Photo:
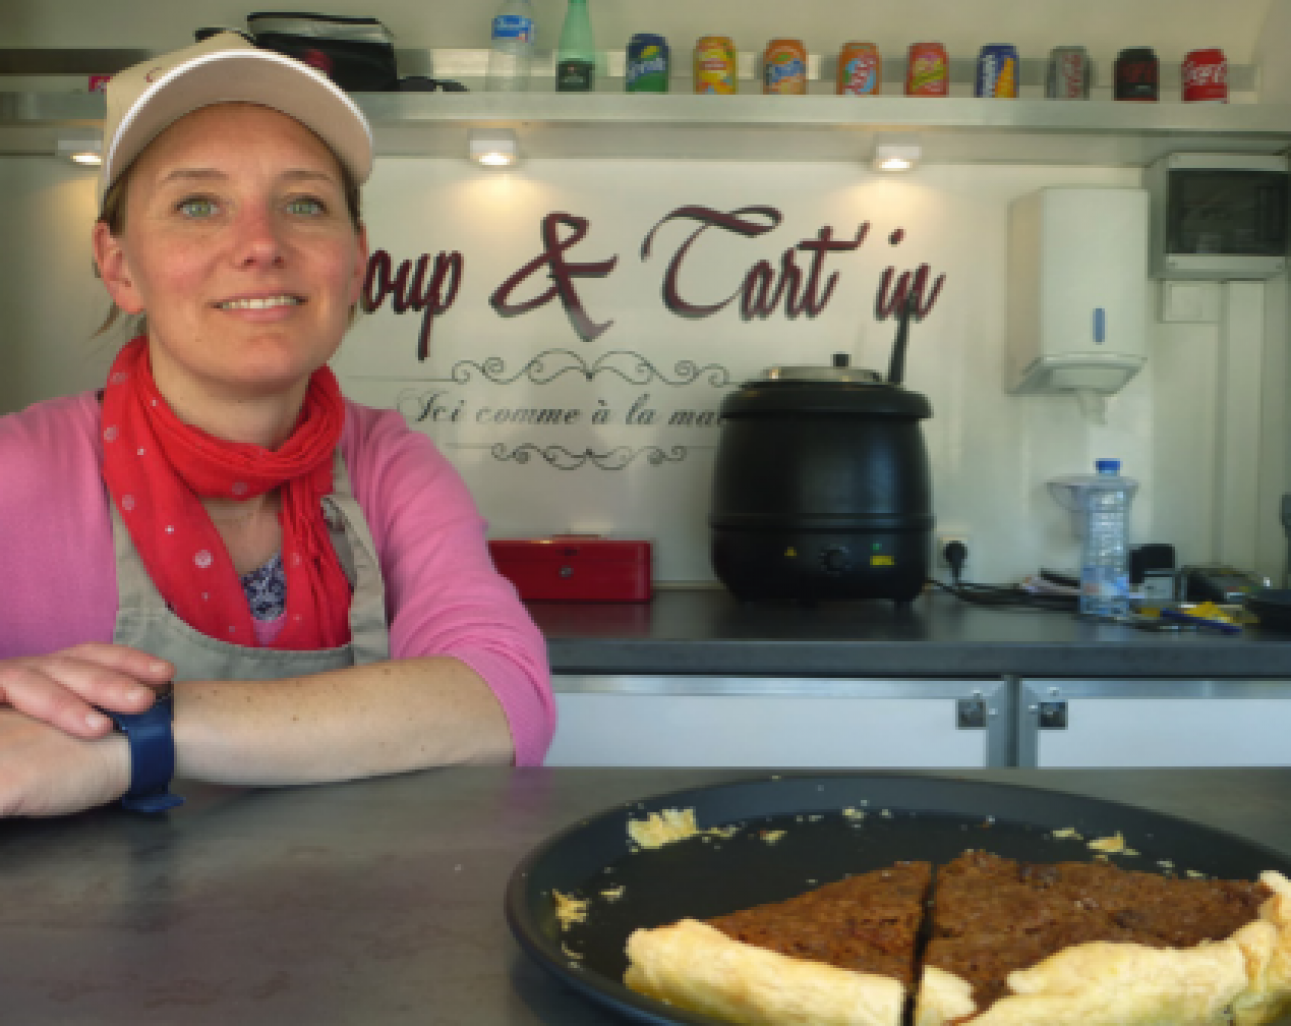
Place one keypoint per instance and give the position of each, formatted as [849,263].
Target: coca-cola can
[1205,77]
[1069,74]
[1136,74]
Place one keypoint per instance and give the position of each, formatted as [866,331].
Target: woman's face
[239,247]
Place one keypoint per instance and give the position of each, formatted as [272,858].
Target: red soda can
[928,70]
[1205,77]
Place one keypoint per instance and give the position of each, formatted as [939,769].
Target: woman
[311,574]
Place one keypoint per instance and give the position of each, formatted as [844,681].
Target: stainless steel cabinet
[779,722]
[1072,723]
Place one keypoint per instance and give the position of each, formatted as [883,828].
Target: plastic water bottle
[511,53]
[1104,557]
[576,52]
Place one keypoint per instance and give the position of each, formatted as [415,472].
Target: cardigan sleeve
[443,595]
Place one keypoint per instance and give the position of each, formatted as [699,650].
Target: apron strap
[369,628]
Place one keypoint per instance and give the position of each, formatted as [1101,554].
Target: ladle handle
[896,367]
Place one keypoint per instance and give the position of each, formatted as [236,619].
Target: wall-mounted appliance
[1077,290]
[1219,216]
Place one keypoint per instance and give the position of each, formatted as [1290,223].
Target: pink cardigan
[58,576]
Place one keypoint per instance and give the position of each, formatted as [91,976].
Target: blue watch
[152,756]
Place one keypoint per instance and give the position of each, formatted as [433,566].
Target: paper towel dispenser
[1077,290]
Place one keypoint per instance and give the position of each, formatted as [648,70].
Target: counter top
[707,631]
[378,902]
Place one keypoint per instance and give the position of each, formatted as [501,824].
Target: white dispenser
[1077,291]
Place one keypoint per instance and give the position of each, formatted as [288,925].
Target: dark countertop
[378,902]
[707,631]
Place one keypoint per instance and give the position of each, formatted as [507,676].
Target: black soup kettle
[821,486]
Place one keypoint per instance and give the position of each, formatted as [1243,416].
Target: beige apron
[145,622]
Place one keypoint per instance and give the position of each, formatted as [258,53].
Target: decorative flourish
[551,364]
[569,459]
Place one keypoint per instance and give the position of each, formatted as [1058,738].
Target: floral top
[266,589]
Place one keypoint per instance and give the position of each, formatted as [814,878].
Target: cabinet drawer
[767,723]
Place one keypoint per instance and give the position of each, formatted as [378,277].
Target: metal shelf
[752,127]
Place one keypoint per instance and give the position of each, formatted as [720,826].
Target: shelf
[752,127]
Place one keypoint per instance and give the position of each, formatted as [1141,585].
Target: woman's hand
[61,689]
[43,772]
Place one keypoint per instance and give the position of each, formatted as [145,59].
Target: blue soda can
[647,65]
[997,71]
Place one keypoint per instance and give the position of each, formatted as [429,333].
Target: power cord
[996,595]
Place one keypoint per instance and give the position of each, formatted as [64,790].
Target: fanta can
[860,70]
[716,66]
[928,71]
[784,67]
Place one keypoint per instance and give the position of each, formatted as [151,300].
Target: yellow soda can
[716,66]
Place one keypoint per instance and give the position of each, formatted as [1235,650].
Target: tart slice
[839,955]
[1089,943]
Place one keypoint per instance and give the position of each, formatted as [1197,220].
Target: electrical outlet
[944,538]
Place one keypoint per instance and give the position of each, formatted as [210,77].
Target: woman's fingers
[62,689]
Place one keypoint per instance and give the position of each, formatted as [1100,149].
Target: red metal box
[574,568]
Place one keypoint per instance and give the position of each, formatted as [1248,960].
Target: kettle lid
[840,371]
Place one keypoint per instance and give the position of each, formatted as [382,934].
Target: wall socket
[944,538]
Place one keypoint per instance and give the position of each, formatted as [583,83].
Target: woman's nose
[259,240]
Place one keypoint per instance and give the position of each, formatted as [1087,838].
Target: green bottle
[576,53]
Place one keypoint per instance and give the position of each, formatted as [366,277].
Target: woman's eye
[197,207]
[305,205]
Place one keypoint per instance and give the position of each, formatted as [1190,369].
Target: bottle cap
[1107,466]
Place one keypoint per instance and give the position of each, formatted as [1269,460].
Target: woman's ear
[114,269]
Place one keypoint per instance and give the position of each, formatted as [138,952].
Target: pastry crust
[1268,957]
[697,967]
[1244,979]
[1103,984]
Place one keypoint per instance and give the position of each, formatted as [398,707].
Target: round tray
[905,817]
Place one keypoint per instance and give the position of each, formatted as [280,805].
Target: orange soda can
[860,70]
[784,67]
[716,66]
[928,71]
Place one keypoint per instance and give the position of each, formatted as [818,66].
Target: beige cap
[143,101]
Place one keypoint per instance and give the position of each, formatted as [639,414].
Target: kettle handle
[896,367]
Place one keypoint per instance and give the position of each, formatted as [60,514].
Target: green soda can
[647,65]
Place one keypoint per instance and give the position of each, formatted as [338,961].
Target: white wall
[1104,26]
[991,453]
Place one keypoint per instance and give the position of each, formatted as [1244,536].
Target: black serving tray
[906,817]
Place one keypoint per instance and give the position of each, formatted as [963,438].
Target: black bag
[355,53]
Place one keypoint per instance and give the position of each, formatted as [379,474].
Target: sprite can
[647,64]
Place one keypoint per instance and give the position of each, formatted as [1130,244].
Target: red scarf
[157,468]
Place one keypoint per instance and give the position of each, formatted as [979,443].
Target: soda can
[1205,77]
[1069,74]
[784,67]
[860,70]
[1136,75]
[997,72]
[716,66]
[928,70]
[647,64]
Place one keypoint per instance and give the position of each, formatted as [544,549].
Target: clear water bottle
[511,52]
[576,53]
[1104,557]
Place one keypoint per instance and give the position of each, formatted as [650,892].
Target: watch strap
[152,756]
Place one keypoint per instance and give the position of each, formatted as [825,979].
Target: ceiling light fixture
[896,154]
[87,151]
[494,147]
